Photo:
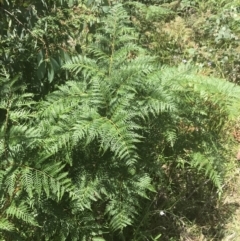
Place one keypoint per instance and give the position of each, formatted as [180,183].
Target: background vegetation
[119,119]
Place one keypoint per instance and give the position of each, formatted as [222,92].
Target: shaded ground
[232,198]
[226,215]
[222,221]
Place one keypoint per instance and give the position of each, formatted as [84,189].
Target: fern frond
[143,184]
[12,176]
[88,67]
[21,212]
[202,162]
[113,132]
[121,214]
[86,191]
[6,225]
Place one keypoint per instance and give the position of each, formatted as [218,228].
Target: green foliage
[97,139]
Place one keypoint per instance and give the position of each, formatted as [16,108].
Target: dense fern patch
[121,147]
